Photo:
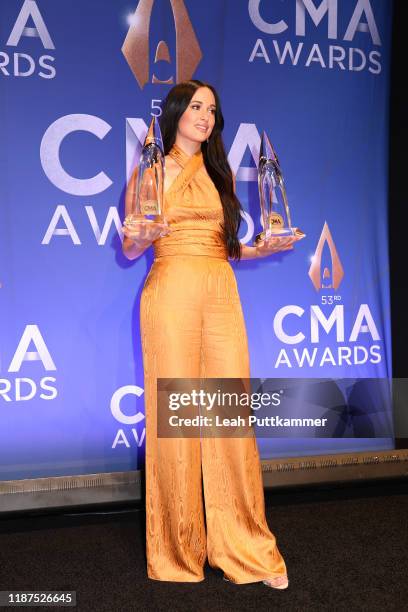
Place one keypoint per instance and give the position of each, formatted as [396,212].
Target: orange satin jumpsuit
[192,326]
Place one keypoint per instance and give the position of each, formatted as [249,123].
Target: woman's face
[197,121]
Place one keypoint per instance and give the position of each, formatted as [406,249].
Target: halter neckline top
[193,209]
[182,158]
[189,164]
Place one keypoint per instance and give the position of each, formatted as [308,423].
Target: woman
[192,326]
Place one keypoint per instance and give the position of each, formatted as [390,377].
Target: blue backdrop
[74,108]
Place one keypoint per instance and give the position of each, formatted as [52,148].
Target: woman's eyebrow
[200,102]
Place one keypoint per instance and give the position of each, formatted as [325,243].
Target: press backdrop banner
[79,82]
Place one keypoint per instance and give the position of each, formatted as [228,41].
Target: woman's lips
[201,128]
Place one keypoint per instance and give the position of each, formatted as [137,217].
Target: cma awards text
[14,63]
[31,348]
[300,17]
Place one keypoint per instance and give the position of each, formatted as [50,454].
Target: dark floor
[345,549]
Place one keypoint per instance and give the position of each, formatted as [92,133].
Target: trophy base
[284,233]
[134,219]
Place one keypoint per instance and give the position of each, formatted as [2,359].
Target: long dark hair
[215,158]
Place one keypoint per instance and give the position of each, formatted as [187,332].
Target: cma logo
[31,347]
[361,20]
[70,126]
[322,276]
[121,437]
[29,24]
[363,323]
[136,47]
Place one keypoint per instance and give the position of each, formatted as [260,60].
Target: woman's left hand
[275,244]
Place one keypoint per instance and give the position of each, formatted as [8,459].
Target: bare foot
[280,582]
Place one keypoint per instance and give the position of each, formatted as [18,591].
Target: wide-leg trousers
[192,326]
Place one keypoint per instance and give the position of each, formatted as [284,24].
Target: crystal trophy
[275,212]
[147,200]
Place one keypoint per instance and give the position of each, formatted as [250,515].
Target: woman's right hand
[144,233]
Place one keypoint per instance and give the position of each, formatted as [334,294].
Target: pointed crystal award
[275,212]
[147,203]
